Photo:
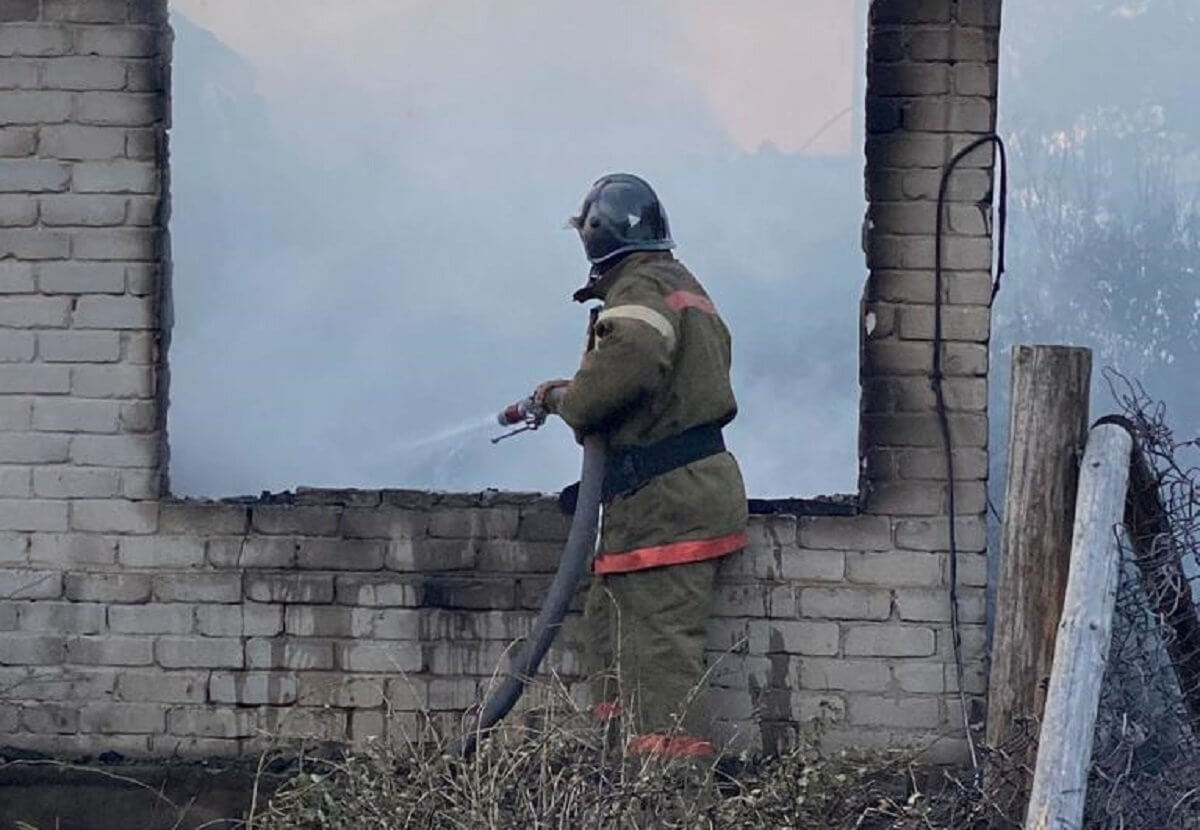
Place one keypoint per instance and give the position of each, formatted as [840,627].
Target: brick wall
[150,626]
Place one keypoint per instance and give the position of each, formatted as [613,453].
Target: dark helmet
[621,213]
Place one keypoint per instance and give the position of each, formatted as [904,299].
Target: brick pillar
[931,89]
[83,103]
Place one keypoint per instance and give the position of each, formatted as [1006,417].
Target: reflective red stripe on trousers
[682,746]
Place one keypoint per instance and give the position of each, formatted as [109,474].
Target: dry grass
[555,768]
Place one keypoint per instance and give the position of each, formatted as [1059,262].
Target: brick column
[931,90]
[83,105]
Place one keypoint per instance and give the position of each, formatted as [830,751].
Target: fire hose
[577,553]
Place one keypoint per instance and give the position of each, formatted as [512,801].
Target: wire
[939,393]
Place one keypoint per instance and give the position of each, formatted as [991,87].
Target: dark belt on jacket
[628,469]
[631,468]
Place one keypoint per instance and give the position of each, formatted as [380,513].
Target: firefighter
[655,382]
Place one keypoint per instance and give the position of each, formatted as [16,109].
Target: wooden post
[1084,636]
[1048,419]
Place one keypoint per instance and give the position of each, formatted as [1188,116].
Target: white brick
[290,653]
[392,656]
[18,74]
[71,550]
[289,587]
[143,210]
[366,726]
[816,638]
[933,534]
[139,347]
[846,603]
[142,144]
[339,690]
[16,414]
[210,652]
[42,107]
[114,312]
[14,548]
[199,587]
[16,346]
[110,650]
[76,142]
[910,713]
[32,448]
[86,210]
[141,483]
[18,210]
[889,641]
[894,569]
[162,686]
[82,278]
[844,675]
[115,450]
[123,718]
[30,649]
[225,621]
[17,39]
[117,108]
[75,415]
[30,175]
[15,483]
[115,40]
[16,278]
[319,621]
[260,620]
[62,617]
[212,721]
[75,482]
[33,312]
[83,73]
[17,141]
[813,565]
[30,584]
[162,552]
[79,346]
[204,517]
[154,618]
[32,514]
[921,677]
[141,416]
[934,605]
[32,378]
[253,688]
[99,381]
[115,177]
[108,587]
[142,279]
[115,243]
[845,532]
[114,516]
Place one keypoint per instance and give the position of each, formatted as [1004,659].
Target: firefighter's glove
[542,396]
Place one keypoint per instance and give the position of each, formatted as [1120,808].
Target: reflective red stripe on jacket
[674,553]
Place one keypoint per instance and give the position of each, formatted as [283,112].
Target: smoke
[368,227]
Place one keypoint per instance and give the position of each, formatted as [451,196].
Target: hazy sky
[368,206]
[769,70]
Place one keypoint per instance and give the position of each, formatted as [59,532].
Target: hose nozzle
[526,412]
[516,413]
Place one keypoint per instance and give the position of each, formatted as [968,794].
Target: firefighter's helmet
[621,213]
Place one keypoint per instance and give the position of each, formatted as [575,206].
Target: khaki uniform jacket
[660,365]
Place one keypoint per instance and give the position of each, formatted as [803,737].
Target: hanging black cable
[939,393]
